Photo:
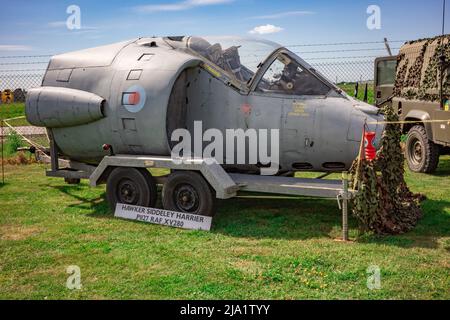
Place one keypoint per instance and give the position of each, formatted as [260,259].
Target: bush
[13,141]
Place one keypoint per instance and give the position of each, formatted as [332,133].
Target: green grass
[21,122]
[12,110]
[12,142]
[259,247]
[349,88]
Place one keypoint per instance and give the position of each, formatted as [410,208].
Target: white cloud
[57,24]
[63,24]
[12,47]
[266,29]
[179,6]
[284,15]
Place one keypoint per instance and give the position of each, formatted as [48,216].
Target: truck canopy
[418,69]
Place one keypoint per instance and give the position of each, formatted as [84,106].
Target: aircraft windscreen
[239,57]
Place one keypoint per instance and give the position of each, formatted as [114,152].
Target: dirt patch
[12,232]
[19,159]
[247,266]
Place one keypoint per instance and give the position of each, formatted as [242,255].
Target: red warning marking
[131,98]
[135,98]
[246,109]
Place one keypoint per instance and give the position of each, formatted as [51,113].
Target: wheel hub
[186,198]
[416,152]
[128,192]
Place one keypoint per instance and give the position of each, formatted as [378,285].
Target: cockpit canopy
[238,56]
[241,59]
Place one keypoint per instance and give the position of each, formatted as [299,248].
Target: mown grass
[12,110]
[259,247]
[349,88]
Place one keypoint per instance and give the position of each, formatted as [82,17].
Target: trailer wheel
[135,186]
[422,154]
[188,191]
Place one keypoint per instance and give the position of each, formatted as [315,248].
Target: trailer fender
[213,173]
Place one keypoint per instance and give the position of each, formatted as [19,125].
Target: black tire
[188,191]
[422,154]
[135,186]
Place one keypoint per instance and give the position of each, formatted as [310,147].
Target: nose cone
[364,113]
[379,128]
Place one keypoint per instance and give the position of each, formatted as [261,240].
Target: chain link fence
[338,71]
[339,62]
[342,63]
[20,73]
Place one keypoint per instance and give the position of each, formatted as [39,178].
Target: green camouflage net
[383,203]
[419,68]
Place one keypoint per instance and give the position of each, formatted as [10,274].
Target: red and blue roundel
[133,99]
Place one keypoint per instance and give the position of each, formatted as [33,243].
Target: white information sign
[163,217]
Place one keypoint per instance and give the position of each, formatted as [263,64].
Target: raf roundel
[133,99]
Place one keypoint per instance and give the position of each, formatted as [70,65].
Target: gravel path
[26,131]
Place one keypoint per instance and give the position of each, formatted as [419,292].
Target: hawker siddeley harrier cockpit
[133,95]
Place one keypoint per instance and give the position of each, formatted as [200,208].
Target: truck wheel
[134,186]
[422,154]
[188,191]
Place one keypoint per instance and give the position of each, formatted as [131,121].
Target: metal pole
[366,97]
[442,61]
[443,18]
[345,207]
[3,157]
[388,47]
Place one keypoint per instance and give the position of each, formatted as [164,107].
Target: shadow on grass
[295,218]
[258,216]
[443,168]
[434,225]
[98,206]
[252,216]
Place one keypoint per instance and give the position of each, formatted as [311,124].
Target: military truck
[417,83]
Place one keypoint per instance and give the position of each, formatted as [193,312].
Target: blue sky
[37,27]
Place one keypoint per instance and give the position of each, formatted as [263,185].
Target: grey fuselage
[88,99]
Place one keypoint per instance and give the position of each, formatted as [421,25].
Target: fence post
[3,157]
[345,207]
[388,47]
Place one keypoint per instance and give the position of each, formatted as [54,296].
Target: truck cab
[384,78]
[425,140]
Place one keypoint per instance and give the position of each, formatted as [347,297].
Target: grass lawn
[12,110]
[349,88]
[258,248]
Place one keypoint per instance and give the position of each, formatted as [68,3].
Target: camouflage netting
[384,203]
[418,69]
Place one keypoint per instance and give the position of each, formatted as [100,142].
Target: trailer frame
[226,185]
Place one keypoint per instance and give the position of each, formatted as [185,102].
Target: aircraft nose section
[373,122]
[377,125]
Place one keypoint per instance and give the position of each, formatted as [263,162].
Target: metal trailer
[224,185]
